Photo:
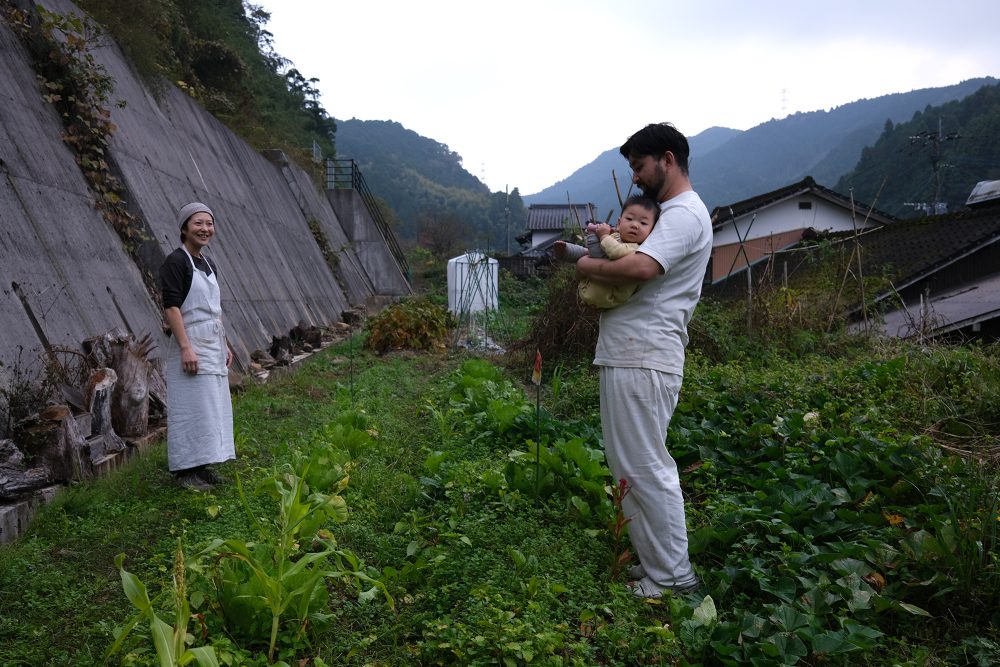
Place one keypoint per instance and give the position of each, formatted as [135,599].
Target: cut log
[16,484]
[157,391]
[99,394]
[130,397]
[263,358]
[281,350]
[16,480]
[52,449]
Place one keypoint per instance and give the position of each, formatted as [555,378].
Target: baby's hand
[601,229]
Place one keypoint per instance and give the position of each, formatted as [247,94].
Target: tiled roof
[723,214]
[914,249]
[962,306]
[543,217]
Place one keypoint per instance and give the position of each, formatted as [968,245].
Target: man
[640,350]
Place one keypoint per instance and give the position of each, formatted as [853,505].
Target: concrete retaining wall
[64,275]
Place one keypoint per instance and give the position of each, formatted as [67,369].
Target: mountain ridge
[823,144]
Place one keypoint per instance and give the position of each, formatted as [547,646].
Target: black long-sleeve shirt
[176,275]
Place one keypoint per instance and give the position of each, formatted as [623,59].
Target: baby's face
[635,224]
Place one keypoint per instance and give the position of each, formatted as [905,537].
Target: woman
[199,409]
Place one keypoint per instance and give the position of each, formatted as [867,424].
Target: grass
[802,473]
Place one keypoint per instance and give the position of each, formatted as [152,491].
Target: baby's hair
[645,202]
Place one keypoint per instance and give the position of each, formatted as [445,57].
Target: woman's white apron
[199,409]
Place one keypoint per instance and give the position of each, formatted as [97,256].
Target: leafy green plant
[259,584]
[496,634]
[952,553]
[171,642]
[829,513]
[568,467]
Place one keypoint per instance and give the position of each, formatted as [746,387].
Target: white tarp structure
[472,283]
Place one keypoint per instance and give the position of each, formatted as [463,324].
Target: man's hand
[559,249]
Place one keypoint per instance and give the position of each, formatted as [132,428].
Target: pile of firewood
[301,340]
[121,403]
[84,427]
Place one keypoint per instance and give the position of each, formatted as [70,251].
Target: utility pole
[935,139]
[506,213]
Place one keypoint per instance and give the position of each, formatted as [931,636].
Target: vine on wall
[80,90]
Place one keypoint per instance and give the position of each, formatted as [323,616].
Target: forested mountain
[593,183]
[424,183]
[220,54]
[938,156]
[728,165]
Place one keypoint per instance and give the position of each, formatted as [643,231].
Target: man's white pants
[636,406]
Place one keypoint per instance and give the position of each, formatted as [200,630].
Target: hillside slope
[937,156]
[425,185]
[729,165]
[594,182]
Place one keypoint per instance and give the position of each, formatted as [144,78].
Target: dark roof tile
[543,217]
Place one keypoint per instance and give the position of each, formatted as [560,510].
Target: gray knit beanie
[189,210]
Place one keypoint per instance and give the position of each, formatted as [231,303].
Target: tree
[443,233]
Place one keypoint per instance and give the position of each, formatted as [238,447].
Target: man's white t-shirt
[650,329]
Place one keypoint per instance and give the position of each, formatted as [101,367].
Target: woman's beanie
[189,210]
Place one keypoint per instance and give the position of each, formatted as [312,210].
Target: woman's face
[198,231]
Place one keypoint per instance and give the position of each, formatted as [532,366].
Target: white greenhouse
[472,283]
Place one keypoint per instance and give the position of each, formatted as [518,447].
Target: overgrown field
[398,509]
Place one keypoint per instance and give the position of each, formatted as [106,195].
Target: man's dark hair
[656,139]
[645,202]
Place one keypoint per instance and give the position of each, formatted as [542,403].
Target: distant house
[752,230]
[945,270]
[547,222]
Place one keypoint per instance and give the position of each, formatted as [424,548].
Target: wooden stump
[281,350]
[16,478]
[100,388]
[130,361]
[130,398]
[50,448]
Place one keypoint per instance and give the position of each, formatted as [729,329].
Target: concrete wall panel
[70,264]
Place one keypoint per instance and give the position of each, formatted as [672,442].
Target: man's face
[649,174]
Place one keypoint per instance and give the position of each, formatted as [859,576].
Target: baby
[639,214]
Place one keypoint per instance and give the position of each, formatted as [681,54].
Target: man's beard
[652,190]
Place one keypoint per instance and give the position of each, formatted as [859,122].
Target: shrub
[411,324]
[564,328]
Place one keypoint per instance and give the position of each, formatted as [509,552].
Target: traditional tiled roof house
[944,270]
[548,222]
[751,230]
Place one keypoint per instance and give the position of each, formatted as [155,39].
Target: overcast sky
[528,91]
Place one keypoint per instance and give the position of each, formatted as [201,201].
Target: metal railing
[344,173]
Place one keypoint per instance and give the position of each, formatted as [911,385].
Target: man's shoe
[189,479]
[644,588]
[636,572]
